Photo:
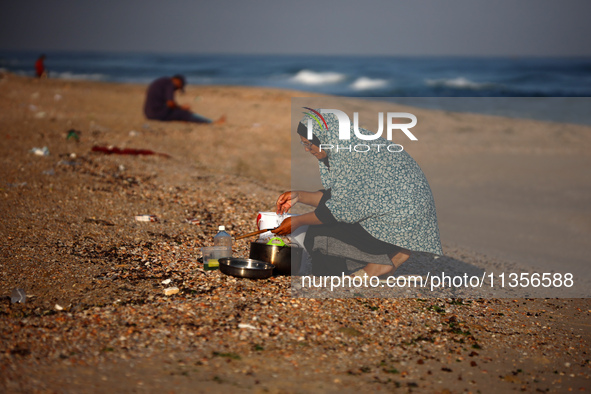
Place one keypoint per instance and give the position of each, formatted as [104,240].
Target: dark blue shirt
[159,92]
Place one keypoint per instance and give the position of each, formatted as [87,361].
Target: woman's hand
[292,223]
[285,227]
[286,201]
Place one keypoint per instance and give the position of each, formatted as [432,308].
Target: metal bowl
[246,268]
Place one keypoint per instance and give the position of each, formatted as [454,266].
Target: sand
[97,319]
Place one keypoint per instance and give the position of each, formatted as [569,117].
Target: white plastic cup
[269,220]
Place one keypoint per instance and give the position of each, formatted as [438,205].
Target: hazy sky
[352,27]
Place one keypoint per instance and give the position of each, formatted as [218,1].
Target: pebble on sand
[171,290]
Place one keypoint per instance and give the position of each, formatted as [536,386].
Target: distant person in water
[160,104]
[40,71]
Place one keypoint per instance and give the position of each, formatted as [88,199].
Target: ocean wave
[75,77]
[365,83]
[9,62]
[458,83]
[309,77]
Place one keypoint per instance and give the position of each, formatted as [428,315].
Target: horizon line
[180,53]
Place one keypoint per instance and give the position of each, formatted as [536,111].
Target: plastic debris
[74,135]
[58,307]
[146,218]
[18,296]
[67,163]
[171,290]
[166,281]
[109,150]
[193,221]
[244,325]
[40,151]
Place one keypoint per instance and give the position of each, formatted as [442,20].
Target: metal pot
[245,268]
[286,259]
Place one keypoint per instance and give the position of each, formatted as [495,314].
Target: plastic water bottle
[222,238]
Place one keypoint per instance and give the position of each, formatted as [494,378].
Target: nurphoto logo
[345,129]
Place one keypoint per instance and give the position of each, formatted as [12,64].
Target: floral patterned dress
[385,192]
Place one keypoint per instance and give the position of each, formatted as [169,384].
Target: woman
[375,208]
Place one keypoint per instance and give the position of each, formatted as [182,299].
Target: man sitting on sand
[160,104]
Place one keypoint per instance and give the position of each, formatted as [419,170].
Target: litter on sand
[109,150]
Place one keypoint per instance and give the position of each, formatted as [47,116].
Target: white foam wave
[76,77]
[458,83]
[364,83]
[9,62]
[308,77]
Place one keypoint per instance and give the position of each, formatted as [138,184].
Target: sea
[556,89]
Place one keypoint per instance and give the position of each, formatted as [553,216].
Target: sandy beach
[509,193]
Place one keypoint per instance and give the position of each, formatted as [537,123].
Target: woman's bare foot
[387,270]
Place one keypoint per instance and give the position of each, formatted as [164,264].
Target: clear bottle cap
[222,228]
